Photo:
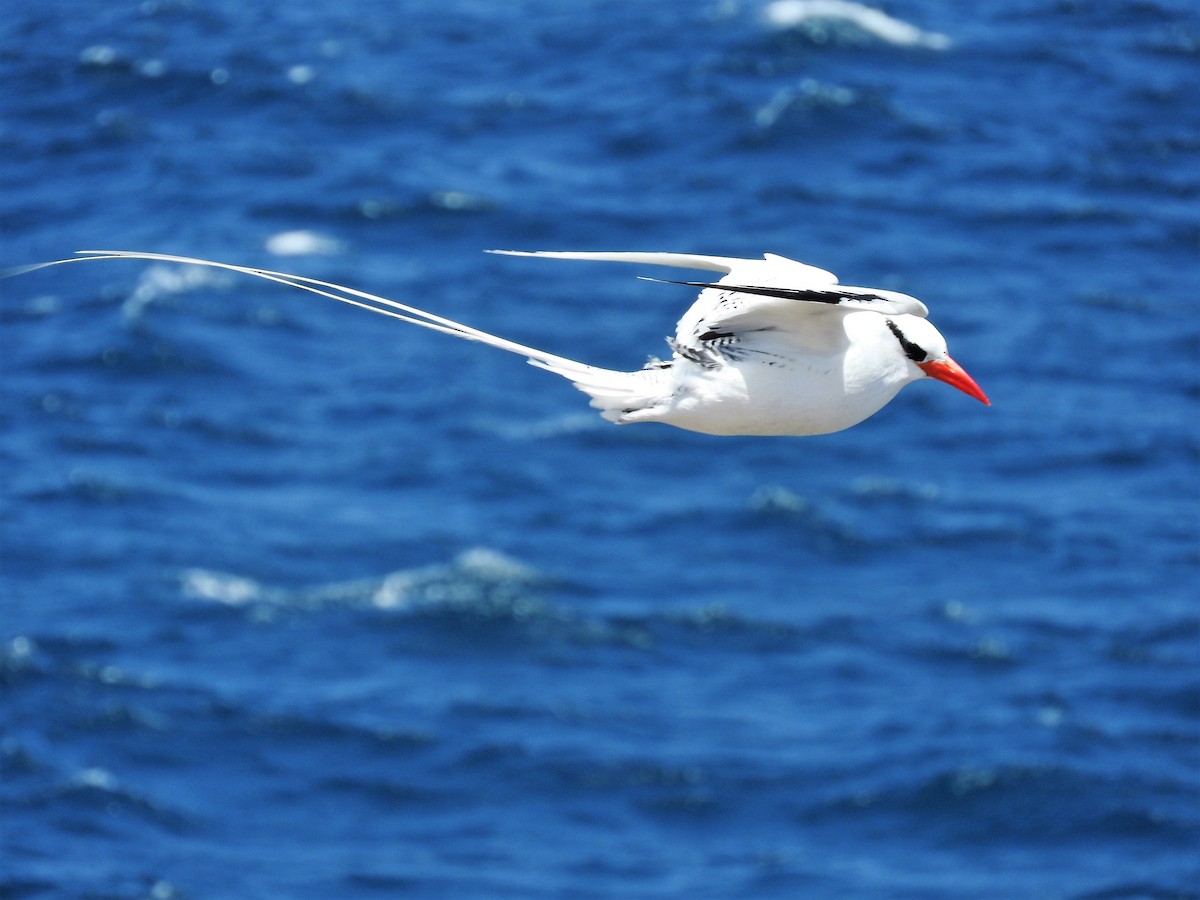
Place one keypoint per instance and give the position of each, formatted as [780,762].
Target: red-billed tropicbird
[771,347]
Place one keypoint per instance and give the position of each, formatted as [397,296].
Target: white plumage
[771,347]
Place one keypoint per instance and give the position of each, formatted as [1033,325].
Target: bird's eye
[911,350]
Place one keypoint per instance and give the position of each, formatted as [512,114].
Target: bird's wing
[773,294]
[727,317]
[843,296]
[754,271]
[773,277]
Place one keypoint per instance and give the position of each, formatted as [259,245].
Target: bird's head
[925,349]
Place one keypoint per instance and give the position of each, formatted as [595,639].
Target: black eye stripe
[911,350]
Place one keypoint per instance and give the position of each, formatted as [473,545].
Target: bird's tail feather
[614,393]
[621,397]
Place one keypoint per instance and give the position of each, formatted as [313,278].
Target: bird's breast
[780,395]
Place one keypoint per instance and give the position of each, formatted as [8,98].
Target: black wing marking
[807,295]
[714,349]
[706,355]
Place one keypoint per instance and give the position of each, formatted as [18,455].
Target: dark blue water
[301,602]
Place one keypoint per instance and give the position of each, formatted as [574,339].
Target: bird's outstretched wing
[753,271]
[773,294]
[731,320]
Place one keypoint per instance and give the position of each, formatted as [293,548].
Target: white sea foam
[301,74]
[98,55]
[475,579]
[479,578]
[219,587]
[302,243]
[809,94]
[161,281]
[816,14]
[100,779]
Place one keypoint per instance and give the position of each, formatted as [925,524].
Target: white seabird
[771,347]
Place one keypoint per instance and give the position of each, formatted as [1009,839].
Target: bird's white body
[771,389]
[841,372]
[772,347]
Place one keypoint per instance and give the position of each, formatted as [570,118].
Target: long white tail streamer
[371,302]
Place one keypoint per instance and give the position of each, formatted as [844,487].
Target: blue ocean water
[300,602]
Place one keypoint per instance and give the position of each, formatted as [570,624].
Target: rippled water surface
[301,602]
